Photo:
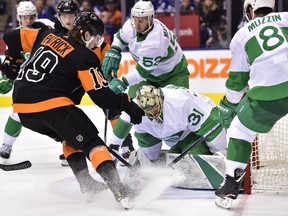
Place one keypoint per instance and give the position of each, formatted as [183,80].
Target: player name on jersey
[57,44]
[263,20]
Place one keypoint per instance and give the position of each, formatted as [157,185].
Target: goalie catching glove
[6,85]
[227,112]
[132,109]
[11,66]
[111,63]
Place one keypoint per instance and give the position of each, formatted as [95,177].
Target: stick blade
[225,202]
[18,166]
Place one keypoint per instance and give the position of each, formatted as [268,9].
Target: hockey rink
[48,189]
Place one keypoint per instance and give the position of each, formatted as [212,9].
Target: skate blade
[127,203]
[225,202]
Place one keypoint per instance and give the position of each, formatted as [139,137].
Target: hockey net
[269,161]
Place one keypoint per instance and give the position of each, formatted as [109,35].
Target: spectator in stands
[50,7]
[112,12]
[198,6]
[42,13]
[110,29]
[206,36]
[186,7]
[210,13]
[3,5]
[163,7]
[86,6]
[220,39]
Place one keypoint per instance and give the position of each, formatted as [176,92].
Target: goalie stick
[179,157]
[18,166]
[193,145]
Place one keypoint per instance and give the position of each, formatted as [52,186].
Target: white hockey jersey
[260,59]
[184,112]
[158,54]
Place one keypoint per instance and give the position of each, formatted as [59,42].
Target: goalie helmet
[67,7]
[150,99]
[263,3]
[26,8]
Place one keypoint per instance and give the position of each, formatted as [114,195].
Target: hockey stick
[106,125]
[193,145]
[17,166]
[119,157]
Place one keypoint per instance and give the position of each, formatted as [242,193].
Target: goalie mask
[150,99]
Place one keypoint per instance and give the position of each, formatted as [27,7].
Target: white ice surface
[48,189]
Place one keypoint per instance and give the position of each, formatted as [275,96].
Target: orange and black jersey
[100,51]
[57,67]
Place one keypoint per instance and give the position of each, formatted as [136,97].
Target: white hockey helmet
[26,8]
[143,9]
[263,3]
[150,99]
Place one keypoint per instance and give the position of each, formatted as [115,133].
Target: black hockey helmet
[67,7]
[88,21]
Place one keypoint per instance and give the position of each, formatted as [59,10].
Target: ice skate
[63,160]
[5,151]
[126,196]
[91,188]
[229,190]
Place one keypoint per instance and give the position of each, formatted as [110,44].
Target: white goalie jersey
[183,111]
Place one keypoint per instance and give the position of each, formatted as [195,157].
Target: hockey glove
[227,112]
[111,63]
[11,66]
[132,109]
[118,86]
[5,85]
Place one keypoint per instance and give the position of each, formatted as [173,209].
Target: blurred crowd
[212,15]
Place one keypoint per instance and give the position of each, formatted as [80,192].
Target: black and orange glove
[11,66]
[132,109]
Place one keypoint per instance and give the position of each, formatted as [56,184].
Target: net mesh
[269,160]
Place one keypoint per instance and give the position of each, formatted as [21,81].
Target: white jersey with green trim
[260,59]
[158,54]
[183,111]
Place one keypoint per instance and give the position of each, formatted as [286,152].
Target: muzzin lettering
[263,20]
